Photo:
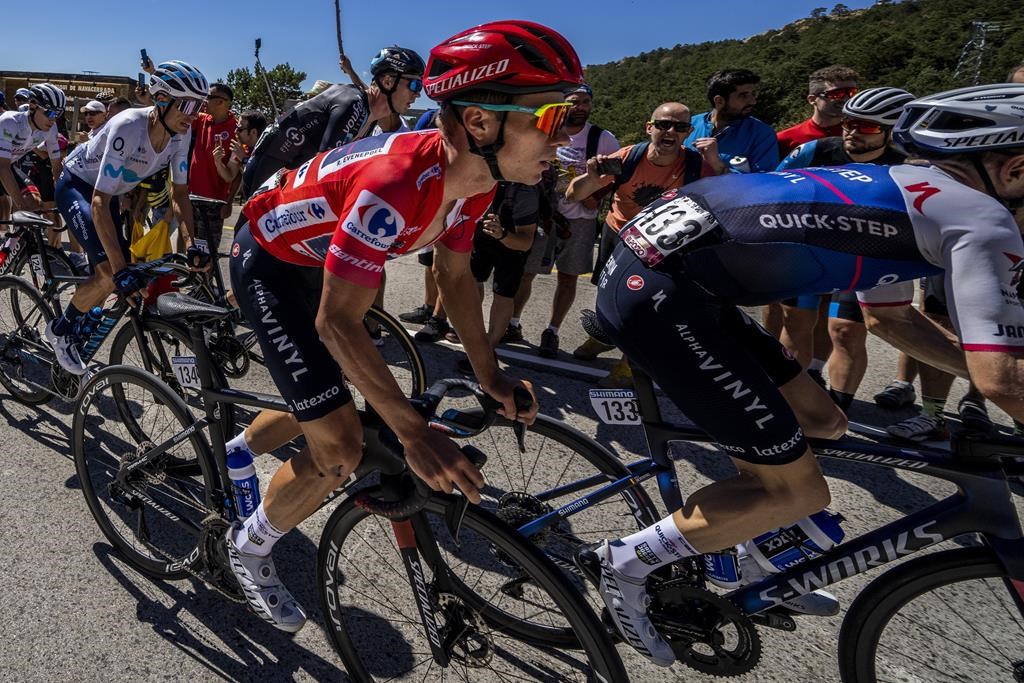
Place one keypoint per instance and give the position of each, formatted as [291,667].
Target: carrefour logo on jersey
[373,221]
[295,215]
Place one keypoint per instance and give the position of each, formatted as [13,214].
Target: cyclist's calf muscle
[999,377]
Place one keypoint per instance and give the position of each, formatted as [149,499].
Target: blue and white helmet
[974,119]
[178,79]
[48,96]
[883,106]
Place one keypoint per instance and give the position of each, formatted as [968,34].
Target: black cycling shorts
[489,255]
[845,306]
[717,365]
[24,183]
[280,301]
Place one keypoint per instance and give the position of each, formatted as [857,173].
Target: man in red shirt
[210,189]
[827,91]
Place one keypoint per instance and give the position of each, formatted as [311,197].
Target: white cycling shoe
[267,596]
[627,602]
[65,351]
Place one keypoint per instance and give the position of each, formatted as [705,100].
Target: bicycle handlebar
[383,451]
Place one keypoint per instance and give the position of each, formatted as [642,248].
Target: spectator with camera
[635,176]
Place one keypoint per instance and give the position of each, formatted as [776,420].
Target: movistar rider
[134,145]
[338,115]
[669,298]
[23,131]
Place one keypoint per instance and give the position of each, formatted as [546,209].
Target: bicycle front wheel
[26,361]
[153,515]
[399,351]
[500,580]
[948,616]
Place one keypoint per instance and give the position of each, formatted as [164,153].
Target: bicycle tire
[191,470]
[876,608]
[588,633]
[165,339]
[22,341]
[60,264]
[413,366]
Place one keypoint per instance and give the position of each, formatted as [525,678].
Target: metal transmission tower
[968,69]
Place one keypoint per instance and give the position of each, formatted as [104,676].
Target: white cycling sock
[237,442]
[257,535]
[639,554]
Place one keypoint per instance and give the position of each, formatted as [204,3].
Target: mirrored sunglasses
[677,126]
[838,94]
[550,117]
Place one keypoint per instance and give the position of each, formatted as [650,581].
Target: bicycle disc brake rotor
[707,632]
[464,634]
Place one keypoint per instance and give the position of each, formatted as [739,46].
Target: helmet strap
[488,152]
[1013,205]
[161,112]
[388,92]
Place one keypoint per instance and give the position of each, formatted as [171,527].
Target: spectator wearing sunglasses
[827,90]
[745,143]
[94,115]
[336,116]
[210,183]
[635,176]
[572,251]
[134,146]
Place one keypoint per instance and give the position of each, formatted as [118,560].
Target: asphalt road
[70,609]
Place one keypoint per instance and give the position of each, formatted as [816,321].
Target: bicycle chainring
[707,632]
[63,382]
[467,639]
[214,558]
[230,355]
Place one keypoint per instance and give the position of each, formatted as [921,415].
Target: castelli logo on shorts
[635,282]
[234,249]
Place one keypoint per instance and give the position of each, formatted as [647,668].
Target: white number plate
[185,370]
[665,227]
[615,406]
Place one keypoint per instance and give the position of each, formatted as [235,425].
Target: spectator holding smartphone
[635,176]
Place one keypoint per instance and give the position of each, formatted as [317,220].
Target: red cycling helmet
[515,57]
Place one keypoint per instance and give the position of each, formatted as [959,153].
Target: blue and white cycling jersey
[854,228]
[120,156]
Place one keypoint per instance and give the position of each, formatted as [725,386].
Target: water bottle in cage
[100,325]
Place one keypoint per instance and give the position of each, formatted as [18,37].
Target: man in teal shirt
[745,143]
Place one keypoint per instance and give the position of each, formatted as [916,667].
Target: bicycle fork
[405,536]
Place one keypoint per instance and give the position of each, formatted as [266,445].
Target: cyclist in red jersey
[309,263]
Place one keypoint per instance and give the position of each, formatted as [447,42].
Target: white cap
[93,105]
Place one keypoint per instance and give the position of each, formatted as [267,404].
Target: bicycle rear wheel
[948,616]
[153,518]
[26,361]
[374,622]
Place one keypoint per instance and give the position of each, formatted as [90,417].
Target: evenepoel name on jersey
[295,215]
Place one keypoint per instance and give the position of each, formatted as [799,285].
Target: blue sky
[218,36]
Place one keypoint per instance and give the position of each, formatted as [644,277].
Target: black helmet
[399,60]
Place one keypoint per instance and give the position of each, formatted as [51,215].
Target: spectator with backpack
[572,248]
[635,176]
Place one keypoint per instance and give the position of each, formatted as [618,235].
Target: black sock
[842,399]
[65,325]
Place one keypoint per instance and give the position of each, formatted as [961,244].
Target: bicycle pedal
[778,618]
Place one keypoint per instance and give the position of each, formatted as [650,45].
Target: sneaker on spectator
[919,428]
[513,335]
[897,395]
[591,349]
[418,315]
[974,414]
[548,344]
[453,337]
[433,330]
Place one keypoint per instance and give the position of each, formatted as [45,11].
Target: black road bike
[443,587]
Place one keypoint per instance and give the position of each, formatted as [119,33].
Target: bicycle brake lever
[457,513]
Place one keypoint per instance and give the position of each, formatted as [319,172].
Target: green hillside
[913,44]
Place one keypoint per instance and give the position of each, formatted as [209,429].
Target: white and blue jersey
[120,156]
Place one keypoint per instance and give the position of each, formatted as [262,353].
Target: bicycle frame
[982,504]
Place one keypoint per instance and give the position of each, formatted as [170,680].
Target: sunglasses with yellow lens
[550,117]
